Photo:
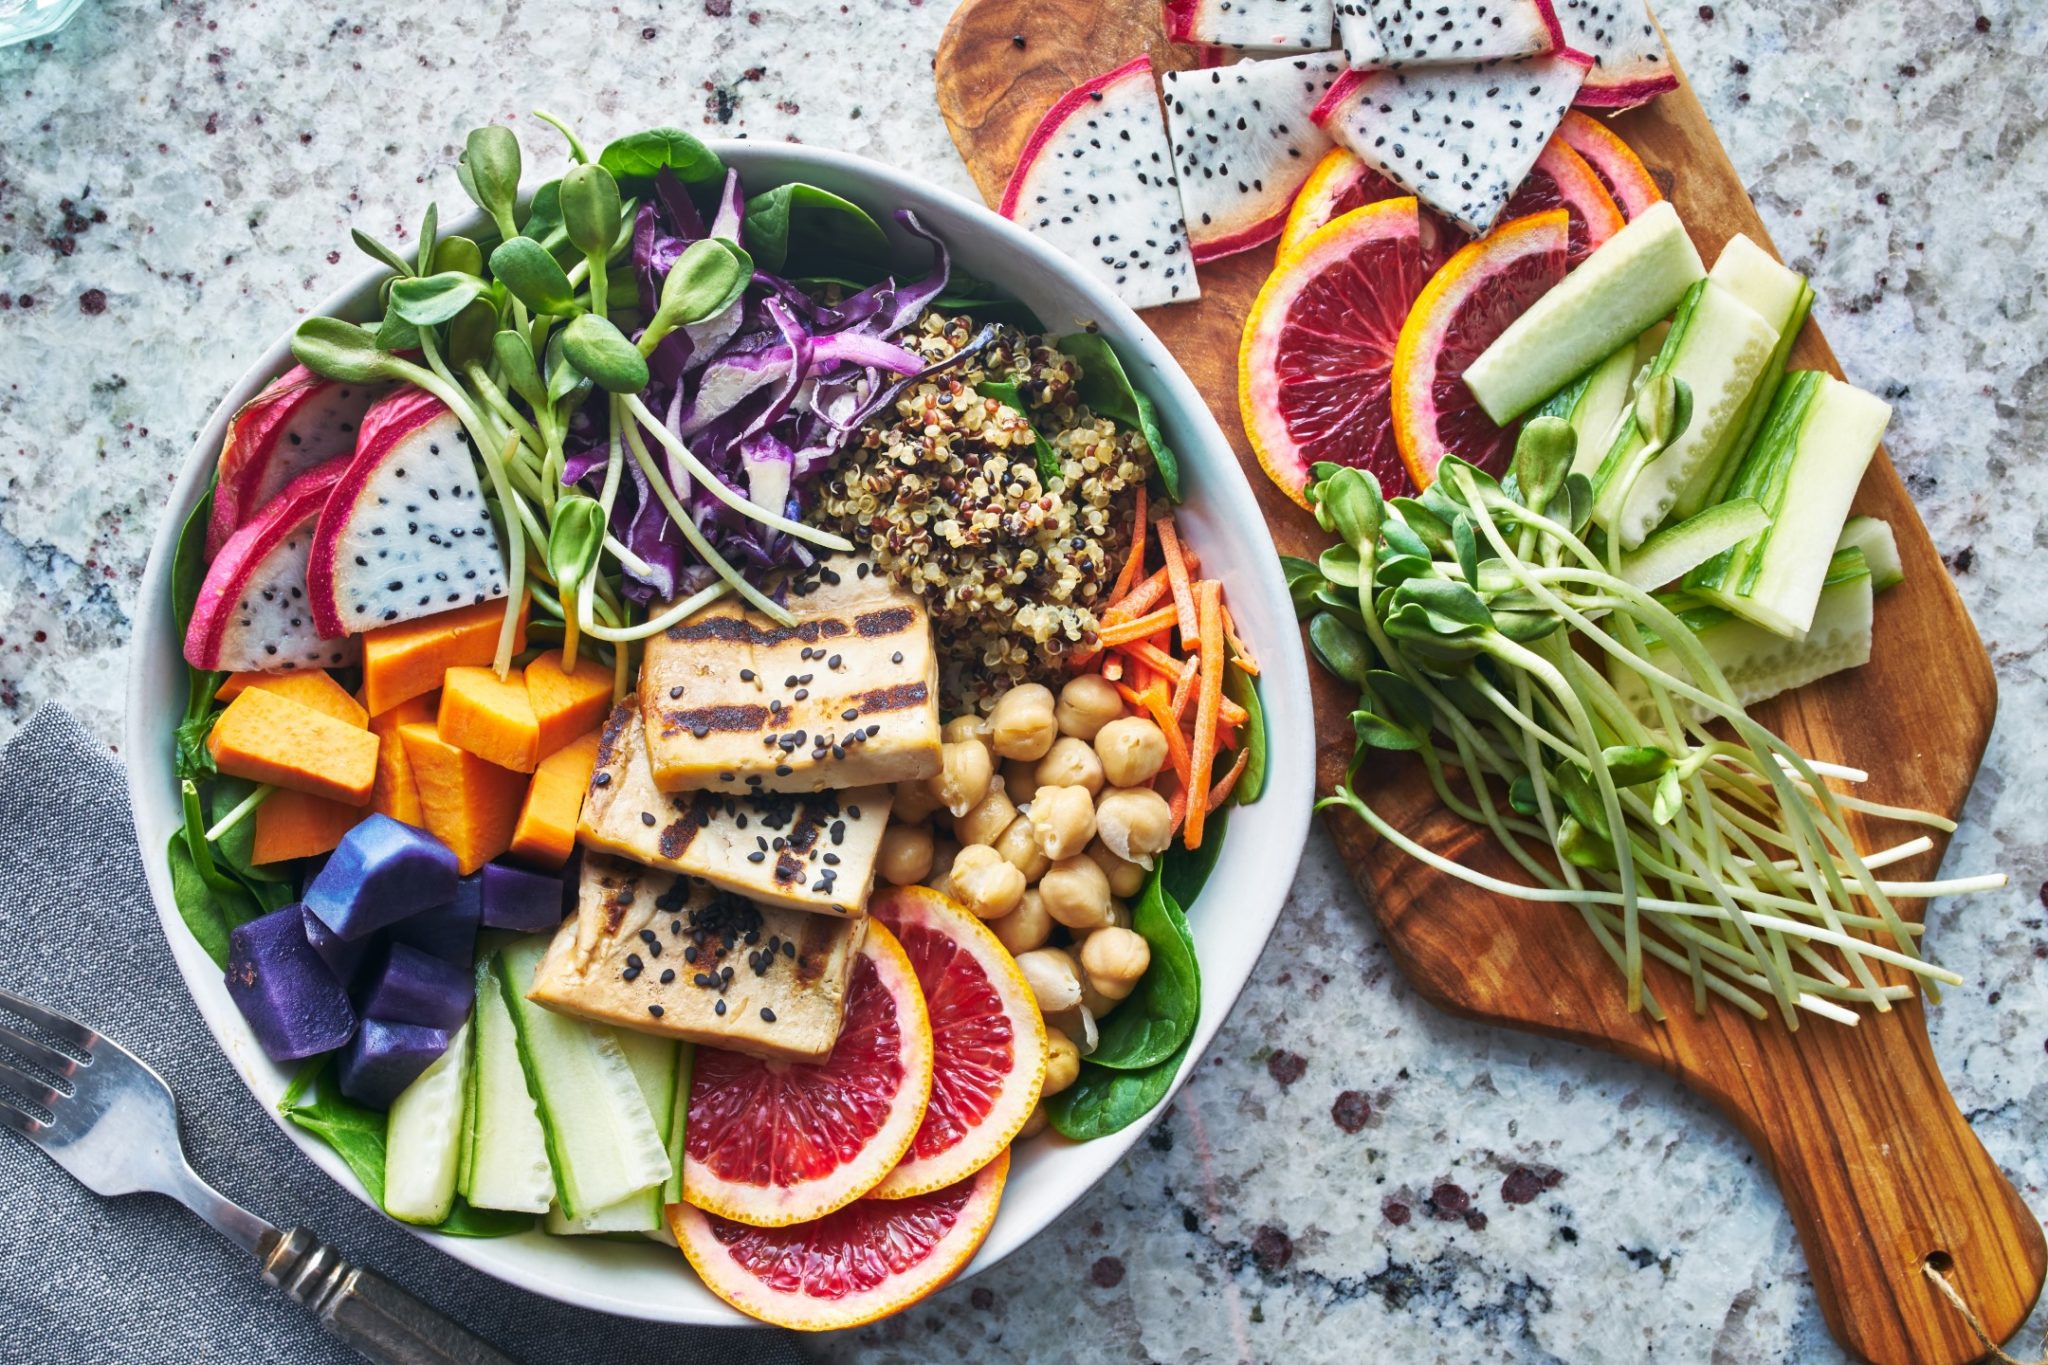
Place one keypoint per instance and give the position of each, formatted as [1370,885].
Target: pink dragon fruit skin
[298,421]
[406,532]
[252,613]
[1243,143]
[1630,65]
[1431,33]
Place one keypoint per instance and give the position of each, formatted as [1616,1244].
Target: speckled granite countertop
[1351,1174]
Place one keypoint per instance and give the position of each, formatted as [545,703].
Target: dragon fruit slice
[1358,35]
[1460,138]
[1096,181]
[252,613]
[1630,66]
[1251,25]
[1243,144]
[298,421]
[1432,33]
[406,532]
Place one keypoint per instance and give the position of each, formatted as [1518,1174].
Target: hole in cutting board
[1940,1262]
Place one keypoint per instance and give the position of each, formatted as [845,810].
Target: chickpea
[1062,1063]
[1017,845]
[989,887]
[1132,750]
[969,726]
[1114,959]
[1134,823]
[1020,779]
[1076,893]
[1062,821]
[1054,980]
[1125,879]
[905,855]
[1078,1023]
[965,773]
[1087,703]
[913,802]
[1095,1002]
[1120,913]
[1035,1125]
[989,818]
[1026,927]
[1068,763]
[1021,724]
[944,851]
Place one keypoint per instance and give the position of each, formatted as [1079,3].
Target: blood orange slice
[866,1261]
[988,1041]
[1313,368]
[1562,179]
[1340,183]
[1622,174]
[773,1142]
[1465,306]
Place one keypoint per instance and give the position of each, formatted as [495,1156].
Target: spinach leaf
[1158,1018]
[210,898]
[1185,871]
[1240,687]
[188,574]
[466,1221]
[207,922]
[188,561]
[1006,393]
[640,155]
[810,224]
[1103,1101]
[1108,390]
[236,846]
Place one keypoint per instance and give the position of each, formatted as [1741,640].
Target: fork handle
[381,1321]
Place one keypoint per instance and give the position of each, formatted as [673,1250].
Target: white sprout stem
[702,546]
[745,507]
[240,812]
[678,611]
[623,552]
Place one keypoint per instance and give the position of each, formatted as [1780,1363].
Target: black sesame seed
[788,949]
[647,817]
[601,780]
[897,657]
[757,857]
[746,675]
[668,975]
[833,662]
[675,692]
[719,1009]
[654,1010]
[767,1015]
[633,961]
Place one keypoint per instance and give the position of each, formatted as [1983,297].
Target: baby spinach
[809,223]
[204,917]
[1158,1018]
[235,848]
[188,572]
[640,155]
[1239,686]
[1006,393]
[1109,391]
[1103,1101]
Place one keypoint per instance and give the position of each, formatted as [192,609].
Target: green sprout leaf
[1304,582]
[535,278]
[574,540]
[432,300]
[597,348]
[590,209]
[490,173]
[339,350]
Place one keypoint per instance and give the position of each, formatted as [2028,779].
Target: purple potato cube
[412,987]
[382,872]
[525,901]
[337,952]
[447,931]
[384,1058]
[295,1004]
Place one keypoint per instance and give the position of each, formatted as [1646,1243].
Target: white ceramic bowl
[1231,918]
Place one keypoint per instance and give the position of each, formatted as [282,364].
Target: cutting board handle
[1881,1179]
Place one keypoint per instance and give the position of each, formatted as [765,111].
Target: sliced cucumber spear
[505,1161]
[1804,469]
[423,1138]
[1873,536]
[653,1061]
[1677,550]
[1636,277]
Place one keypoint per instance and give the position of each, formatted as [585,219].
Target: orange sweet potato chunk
[546,832]
[273,739]
[408,659]
[294,825]
[469,805]
[396,794]
[567,704]
[312,687]
[491,717]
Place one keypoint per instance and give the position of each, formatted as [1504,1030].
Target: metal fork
[113,1123]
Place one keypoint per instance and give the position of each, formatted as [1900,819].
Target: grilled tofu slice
[765,981]
[813,851]
[847,697]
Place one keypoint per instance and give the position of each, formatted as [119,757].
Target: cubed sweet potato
[567,705]
[407,660]
[268,738]
[294,825]
[309,687]
[468,804]
[490,716]
[546,832]
[395,793]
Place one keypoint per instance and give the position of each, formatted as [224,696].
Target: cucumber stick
[602,1140]
[1804,469]
[1676,550]
[653,1061]
[678,1123]
[1634,278]
[1719,347]
[505,1161]
[1873,536]
[423,1138]
[1781,297]
[1760,664]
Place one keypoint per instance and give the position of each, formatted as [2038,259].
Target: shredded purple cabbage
[766,395]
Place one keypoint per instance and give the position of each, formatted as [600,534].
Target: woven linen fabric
[139,1279]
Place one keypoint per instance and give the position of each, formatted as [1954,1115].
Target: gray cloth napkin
[91,1280]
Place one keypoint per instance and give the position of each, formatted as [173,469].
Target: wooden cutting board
[1880,1171]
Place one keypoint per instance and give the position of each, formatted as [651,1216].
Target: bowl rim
[1283,686]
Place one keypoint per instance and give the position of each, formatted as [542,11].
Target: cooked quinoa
[944,489]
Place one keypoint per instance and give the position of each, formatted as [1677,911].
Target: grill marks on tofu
[813,852]
[845,697]
[711,961]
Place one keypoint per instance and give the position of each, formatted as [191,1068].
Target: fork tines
[35,1077]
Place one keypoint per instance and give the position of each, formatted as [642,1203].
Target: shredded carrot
[1140,599]
[1161,709]
[1176,809]
[1184,690]
[1113,668]
[1230,713]
[1135,564]
[1203,758]
[1177,575]
[1219,793]
[1152,656]
[1240,653]
[1126,632]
